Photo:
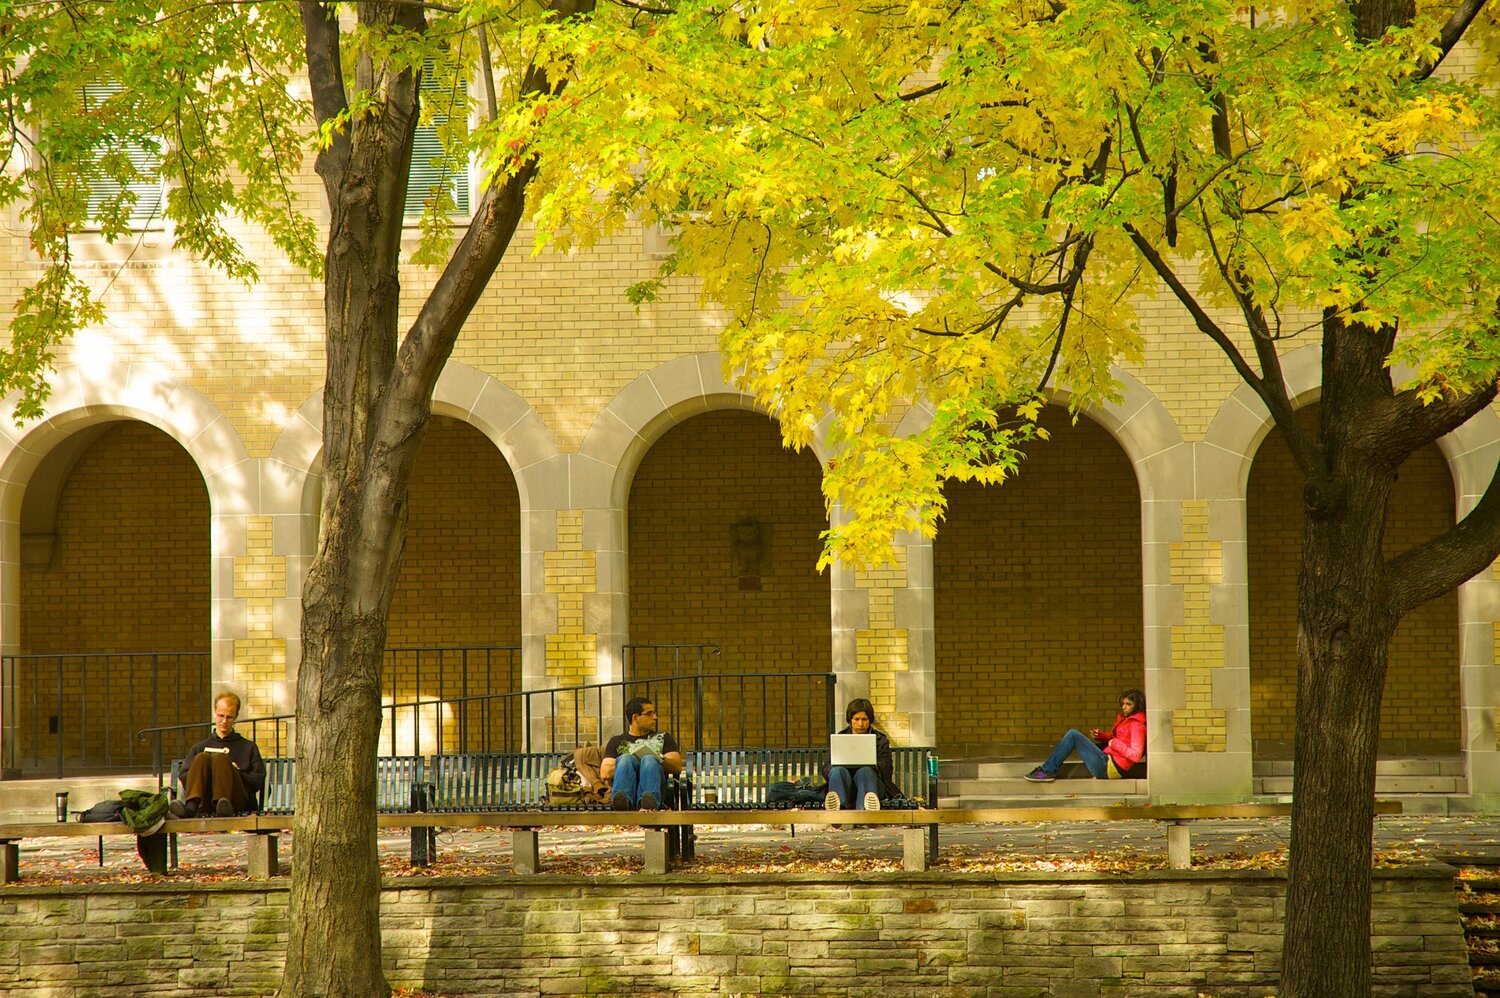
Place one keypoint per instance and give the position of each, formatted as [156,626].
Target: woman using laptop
[861,787]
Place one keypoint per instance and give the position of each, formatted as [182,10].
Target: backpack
[566,788]
[105,810]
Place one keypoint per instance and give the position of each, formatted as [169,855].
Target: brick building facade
[581,488]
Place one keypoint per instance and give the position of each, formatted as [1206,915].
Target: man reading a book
[636,761]
[224,774]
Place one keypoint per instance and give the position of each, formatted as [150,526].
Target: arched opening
[1420,714]
[724,527]
[454,631]
[114,599]
[1037,596]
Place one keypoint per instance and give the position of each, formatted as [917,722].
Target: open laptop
[851,750]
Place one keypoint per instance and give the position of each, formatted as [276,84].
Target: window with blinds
[435,176]
[125,175]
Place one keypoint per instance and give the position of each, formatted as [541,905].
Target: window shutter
[145,181]
[429,172]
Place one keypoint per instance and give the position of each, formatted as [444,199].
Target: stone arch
[649,406]
[37,459]
[464,394]
[1233,443]
[1163,467]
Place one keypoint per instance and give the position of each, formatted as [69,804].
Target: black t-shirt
[617,746]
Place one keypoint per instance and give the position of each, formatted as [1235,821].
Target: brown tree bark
[1350,600]
[377,399]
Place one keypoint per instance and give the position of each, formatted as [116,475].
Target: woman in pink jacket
[1107,754]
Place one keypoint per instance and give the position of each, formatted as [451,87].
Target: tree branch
[1458,22]
[1462,552]
[1406,422]
[325,75]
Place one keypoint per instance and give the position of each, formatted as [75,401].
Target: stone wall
[1197,933]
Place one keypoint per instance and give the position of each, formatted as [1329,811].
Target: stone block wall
[888,935]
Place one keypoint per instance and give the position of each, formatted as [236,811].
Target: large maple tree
[966,202]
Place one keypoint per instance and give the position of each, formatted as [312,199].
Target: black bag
[105,810]
[806,792]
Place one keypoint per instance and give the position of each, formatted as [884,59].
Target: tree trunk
[1344,629]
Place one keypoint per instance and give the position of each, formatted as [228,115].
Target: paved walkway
[726,849]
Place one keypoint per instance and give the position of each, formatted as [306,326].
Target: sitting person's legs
[840,788]
[649,783]
[210,779]
[625,787]
[1093,758]
[866,789]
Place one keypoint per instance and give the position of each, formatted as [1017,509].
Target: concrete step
[1025,788]
[1416,766]
[1071,800]
[1385,786]
[33,799]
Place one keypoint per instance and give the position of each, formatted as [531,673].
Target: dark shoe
[831,801]
[183,809]
[223,809]
[872,802]
[1040,775]
[648,801]
[620,802]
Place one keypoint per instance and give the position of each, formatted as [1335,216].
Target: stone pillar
[883,640]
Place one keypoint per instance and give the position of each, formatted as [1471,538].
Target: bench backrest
[741,776]
[478,782]
[394,778]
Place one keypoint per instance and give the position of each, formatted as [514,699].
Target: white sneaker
[831,801]
[872,802]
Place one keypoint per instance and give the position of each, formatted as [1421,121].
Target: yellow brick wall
[260,657]
[1421,690]
[698,480]
[460,583]
[129,573]
[1038,615]
[882,649]
[1197,643]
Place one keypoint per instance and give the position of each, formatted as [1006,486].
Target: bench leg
[423,846]
[261,858]
[932,844]
[1179,846]
[153,852]
[10,862]
[657,860]
[914,849]
[525,853]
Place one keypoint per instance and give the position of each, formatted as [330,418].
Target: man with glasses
[224,774]
[636,761]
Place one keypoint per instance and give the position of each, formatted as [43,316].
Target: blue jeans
[634,777]
[1092,755]
[856,784]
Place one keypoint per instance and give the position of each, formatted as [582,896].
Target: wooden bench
[261,859]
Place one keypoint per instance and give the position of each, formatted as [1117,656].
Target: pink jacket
[1127,740]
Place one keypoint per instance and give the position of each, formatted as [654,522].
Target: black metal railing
[558,720]
[741,709]
[77,712]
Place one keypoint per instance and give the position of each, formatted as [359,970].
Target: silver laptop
[851,750]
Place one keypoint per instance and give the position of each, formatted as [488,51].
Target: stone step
[1078,800]
[1025,788]
[1384,785]
[1416,766]
[32,799]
